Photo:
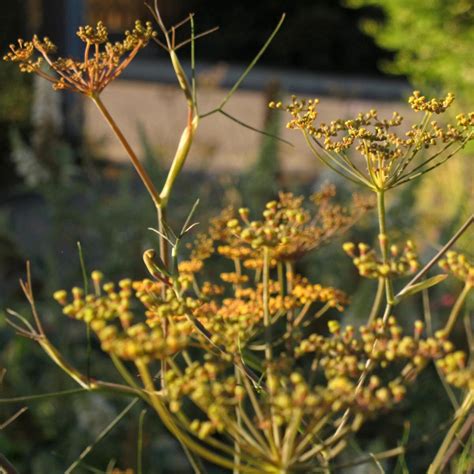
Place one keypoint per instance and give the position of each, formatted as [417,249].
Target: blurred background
[64,178]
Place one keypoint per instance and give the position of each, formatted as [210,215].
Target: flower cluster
[208,335]
[295,395]
[345,352]
[305,293]
[108,302]
[130,339]
[236,320]
[262,304]
[339,359]
[140,342]
[103,61]
[388,154]
[459,266]
[233,320]
[274,390]
[210,389]
[399,264]
[456,370]
[419,103]
[289,229]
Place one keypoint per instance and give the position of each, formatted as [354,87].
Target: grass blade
[42,396]
[101,436]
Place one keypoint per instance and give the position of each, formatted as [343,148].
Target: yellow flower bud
[60,296]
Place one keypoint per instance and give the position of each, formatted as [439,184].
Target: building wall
[220,145]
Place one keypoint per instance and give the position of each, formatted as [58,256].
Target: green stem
[453,316]
[268,338]
[43,396]
[383,242]
[164,246]
[437,464]
[124,372]
[266,310]
[238,417]
[164,255]
[377,301]
[82,380]
[281,280]
[439,254]
[101,436]
[253,63]
[180,156]
[328,164]
[57,358]
[141,421]
[166,418]
[290,315]
[290,436]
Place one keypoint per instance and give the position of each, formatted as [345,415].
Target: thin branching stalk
[461,414]
[456,309]
[165,416]
[377,300]
[469,221]
[101,436]
[144,176]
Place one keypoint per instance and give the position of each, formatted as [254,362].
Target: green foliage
[15,95]
[432,39]
[15,91]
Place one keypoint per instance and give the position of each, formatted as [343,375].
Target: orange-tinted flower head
[103,61]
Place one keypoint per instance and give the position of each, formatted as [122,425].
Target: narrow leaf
[101,436]
[13,418]
[417,287]
[83,267]
[188,219]
[257,130]
[156,231]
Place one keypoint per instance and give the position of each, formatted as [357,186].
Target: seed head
[102,61]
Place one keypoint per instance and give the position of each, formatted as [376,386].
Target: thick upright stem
[238,418]
[180,156]
[133,157]
[290,315]
[164,246]
[383,242]
[268,339]
[266,309]
[164,255]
